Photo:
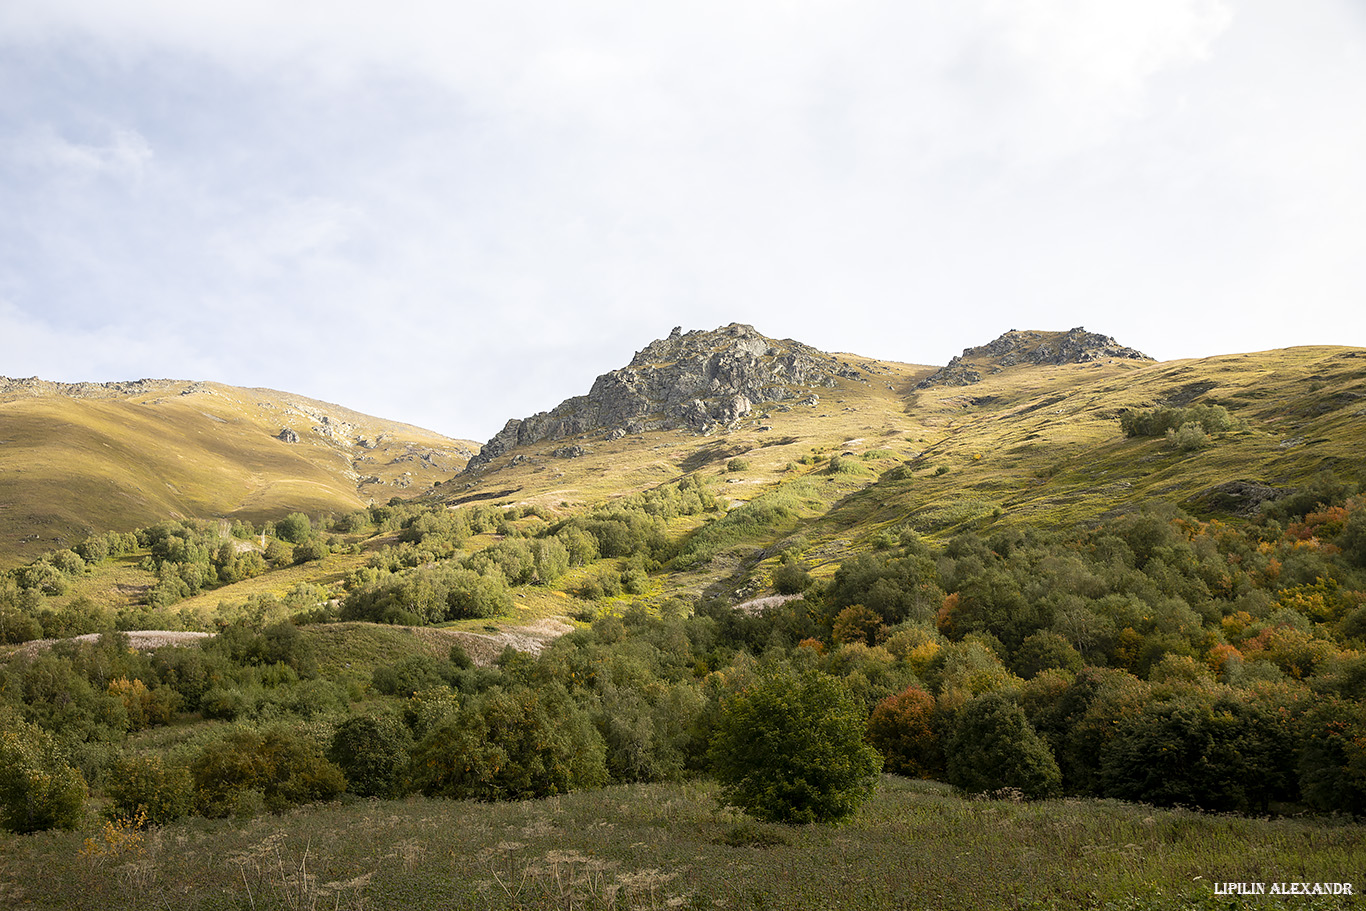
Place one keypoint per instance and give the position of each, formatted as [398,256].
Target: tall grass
[916,845]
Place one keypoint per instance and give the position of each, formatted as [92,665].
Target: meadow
[915,845]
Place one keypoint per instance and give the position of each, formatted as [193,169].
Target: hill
[1055,570]
[1023,430]
[85,457]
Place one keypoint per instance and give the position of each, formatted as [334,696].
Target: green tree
[143,784]
[296,528]
[373,753]
[790,748]
[511,744]
[283,766]
[993,746]
[38,789]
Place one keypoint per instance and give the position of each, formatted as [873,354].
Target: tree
[296,528]
[993,747]
[790,748]
[143,785]
[284,767]
[38,789]
[373,754]
[511,744]
[902,727]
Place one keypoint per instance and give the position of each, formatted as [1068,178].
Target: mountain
[82,457]
[699,381]
[1075,346]
[1023,429]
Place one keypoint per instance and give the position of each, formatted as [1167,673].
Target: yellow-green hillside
[89,457]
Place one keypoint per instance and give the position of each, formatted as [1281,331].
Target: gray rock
[695,381]
[288,436]
[1014,348]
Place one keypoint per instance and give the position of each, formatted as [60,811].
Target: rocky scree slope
[697,381]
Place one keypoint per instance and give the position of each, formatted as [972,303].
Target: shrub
[310,551]
[737,465]
[294,528]
[1333,757]
[284,767]
[373,754]
[993,747]
[791,748]
[412,675]
[142,785]
[1189,437]
[857,623]
[791,578]
[1043,650]
[902,728]
[1157,422]
[511,744]
[38,789]
[902,472]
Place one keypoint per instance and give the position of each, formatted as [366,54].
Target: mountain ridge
[708,380]
[77,457]
[697,381]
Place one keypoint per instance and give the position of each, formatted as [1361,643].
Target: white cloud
[293,234]
[125,154]
[553,185]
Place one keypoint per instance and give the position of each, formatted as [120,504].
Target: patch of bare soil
[484,648]
[141,639]
[759,605]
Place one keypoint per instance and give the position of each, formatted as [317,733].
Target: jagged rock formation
[697,381]
[1075,346]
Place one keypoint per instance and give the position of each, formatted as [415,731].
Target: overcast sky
[454,213]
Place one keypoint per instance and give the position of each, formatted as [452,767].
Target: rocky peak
[696,381]
[1015,348]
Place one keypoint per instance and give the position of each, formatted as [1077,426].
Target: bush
[294,528]
[993,747]
[511,744]
[411,675]
[143,785]
[737,465]
[791,748]
[1158,422]
[1333,757]
[1189,437]
[791,578]
[373,754]
[902,728]
[38,789]
[284,767]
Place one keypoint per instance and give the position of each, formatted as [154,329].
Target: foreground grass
[916,845]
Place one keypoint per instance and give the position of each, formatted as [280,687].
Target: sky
[455,213]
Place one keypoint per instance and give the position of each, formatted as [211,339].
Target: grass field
[916,845]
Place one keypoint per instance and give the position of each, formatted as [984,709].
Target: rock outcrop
[1014,348]
[697,381]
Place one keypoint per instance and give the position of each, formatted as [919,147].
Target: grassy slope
[69,466]
[1050,451]
[670,846]
[1027,444]
[1037,444]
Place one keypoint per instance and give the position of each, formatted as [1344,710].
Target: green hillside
[749,625]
